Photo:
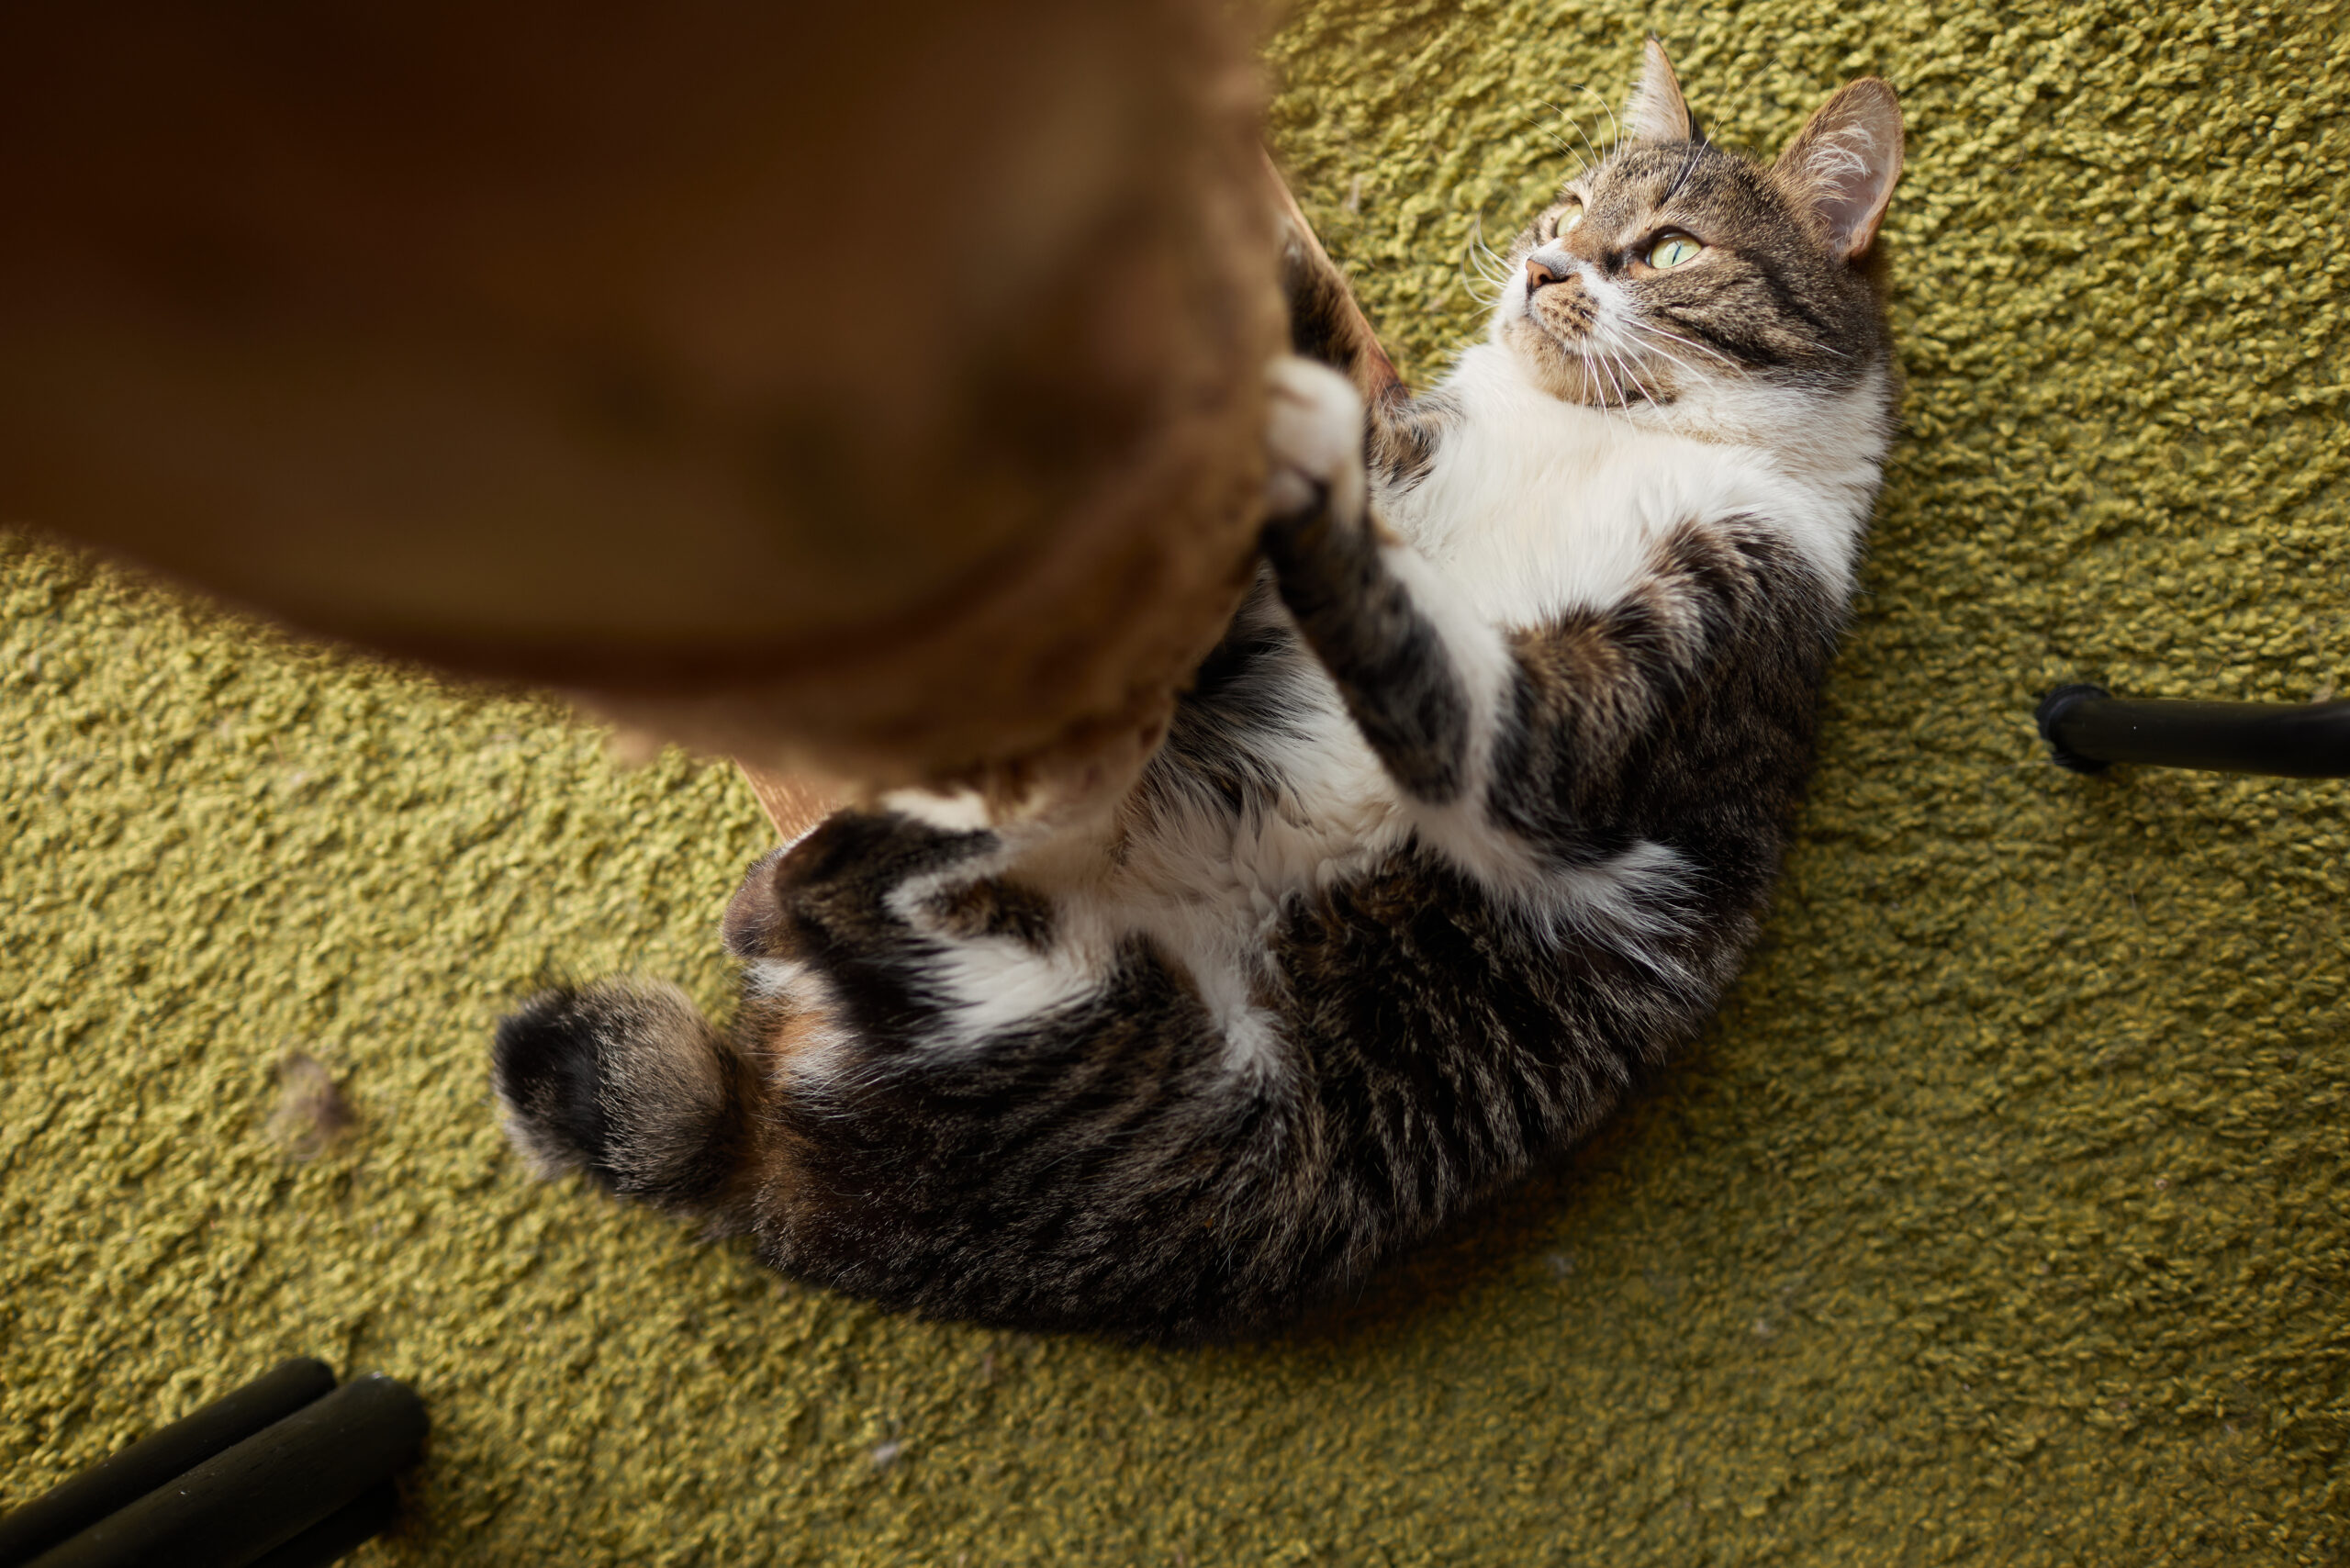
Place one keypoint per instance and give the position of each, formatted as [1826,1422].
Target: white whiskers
[1487,263]
[1595,156]
[1614,130]
[1692,342]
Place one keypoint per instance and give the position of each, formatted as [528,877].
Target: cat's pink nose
[1539,271]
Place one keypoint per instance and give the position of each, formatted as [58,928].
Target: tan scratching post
[793,804]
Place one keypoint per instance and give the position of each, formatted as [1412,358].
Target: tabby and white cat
[1463,827]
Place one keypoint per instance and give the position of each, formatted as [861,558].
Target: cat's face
[1671,272]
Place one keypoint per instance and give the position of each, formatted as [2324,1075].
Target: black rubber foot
[2051,710]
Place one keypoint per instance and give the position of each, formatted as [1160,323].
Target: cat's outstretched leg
[1420,676]
[626,1082]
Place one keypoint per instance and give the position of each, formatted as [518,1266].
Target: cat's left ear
[1843,164]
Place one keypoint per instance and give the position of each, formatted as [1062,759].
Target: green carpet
[2004,1219]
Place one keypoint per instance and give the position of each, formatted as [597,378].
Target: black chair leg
[2088,729]
[122,1479]
[288,1471]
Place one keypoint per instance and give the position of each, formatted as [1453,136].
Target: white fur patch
[993,983]
[963,810]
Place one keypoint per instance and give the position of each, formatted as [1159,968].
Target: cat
[1461,830]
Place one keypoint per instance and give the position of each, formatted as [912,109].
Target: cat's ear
[1656,111]
[1843,164]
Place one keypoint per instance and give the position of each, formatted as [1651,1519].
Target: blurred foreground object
[874,388]
[2088,729]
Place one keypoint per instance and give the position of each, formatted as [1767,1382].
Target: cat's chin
[1561,369]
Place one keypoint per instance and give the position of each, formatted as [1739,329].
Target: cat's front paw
[1313,441]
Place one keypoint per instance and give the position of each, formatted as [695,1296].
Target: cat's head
[1673,277]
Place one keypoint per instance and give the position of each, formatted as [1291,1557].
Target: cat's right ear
[1843,164]
[1656,111]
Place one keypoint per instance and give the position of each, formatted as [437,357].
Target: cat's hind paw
[1314,440]
[624,1081]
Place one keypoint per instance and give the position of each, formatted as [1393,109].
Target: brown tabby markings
[994,908]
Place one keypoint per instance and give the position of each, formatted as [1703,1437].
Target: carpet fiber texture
[2004,1217]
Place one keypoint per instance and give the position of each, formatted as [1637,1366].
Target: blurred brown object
[868,389]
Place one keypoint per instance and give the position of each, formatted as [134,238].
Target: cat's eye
[1673,249]
[1566,217]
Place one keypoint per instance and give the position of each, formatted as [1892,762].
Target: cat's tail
[627,1082]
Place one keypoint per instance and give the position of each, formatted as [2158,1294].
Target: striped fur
[1461,830]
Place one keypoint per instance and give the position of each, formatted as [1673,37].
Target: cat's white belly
[1206,887]
[1209,888]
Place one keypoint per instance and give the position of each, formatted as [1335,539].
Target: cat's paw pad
[1313,439]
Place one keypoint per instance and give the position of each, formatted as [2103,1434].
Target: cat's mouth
[1578,363]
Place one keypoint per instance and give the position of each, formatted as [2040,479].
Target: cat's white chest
[1535,506]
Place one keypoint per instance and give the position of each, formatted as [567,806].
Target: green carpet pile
[2003,1218]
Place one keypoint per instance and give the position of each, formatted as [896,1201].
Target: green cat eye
[1566,219]
[1673,250]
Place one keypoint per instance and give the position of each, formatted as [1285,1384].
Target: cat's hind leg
[626,1082]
